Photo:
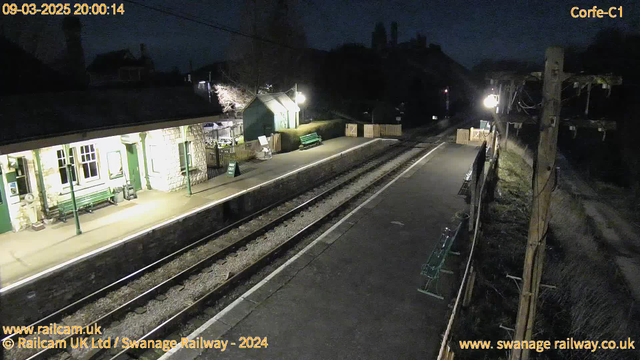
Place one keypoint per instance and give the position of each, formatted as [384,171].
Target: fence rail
[483,185]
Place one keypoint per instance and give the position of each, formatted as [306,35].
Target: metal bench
[433,267]
[310,140]
[84,202]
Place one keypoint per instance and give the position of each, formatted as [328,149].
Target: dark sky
[468,31]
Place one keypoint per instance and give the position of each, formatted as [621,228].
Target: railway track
[255,240]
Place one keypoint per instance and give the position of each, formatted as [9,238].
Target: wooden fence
[351,130]
[390,130]
[220,157]
[374,130]
[483,181]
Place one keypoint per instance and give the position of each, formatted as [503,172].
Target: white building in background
[113,137]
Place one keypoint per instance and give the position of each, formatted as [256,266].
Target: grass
[327,129]
[591,301]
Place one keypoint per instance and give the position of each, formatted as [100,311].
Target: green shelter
[269,113]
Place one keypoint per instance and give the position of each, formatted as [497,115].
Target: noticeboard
[233,169]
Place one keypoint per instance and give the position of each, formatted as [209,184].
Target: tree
[232,98]
[269,58]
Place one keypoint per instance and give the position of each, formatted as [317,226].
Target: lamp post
[298,98]
[73,195]
[446,92]
[184,130]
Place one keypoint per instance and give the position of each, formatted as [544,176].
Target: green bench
[84,202]
[433,267]
[310,140]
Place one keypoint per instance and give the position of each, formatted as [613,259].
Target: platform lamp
[73,194]
[183,130]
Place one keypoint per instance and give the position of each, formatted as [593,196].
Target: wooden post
[543,181]
[468,293]
[472,201]
[506,137]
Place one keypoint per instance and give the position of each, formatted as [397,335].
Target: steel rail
[253,268]
[153,292]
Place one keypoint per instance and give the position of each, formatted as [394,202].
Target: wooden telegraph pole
[543,183]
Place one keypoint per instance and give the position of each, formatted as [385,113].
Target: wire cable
[211,25]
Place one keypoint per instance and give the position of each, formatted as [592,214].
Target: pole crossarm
[519,118]
[584,79]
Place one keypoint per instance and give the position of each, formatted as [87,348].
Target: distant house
[117,67]
[268,113]
[113,136]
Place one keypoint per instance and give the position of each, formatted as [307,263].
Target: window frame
[87,159]
[181,148]
[72,158]
[21,162]
[121,173]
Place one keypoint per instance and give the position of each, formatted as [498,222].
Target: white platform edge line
[174,219]
[230,307]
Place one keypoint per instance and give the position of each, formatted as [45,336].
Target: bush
[327,129]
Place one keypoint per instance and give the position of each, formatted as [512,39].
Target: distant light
[446,91]
[491,101]
[300,98]
[201,82]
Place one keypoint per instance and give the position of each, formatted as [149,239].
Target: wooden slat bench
[84,202]
[310,140]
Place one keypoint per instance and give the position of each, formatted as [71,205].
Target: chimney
[144,56]
[394,34]
[76,67]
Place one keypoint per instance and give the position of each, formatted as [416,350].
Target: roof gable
[114,60]
[277,102]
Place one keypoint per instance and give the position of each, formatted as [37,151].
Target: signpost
[233,169]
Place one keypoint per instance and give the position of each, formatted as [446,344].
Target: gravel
[134,324]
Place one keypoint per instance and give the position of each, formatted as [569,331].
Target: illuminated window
[62,167]
[22,176]
[114,162]
[181,154]
[89,162]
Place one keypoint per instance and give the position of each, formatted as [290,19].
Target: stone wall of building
[163,147]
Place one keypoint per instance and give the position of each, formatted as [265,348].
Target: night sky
[468,31]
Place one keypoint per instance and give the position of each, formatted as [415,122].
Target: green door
[5,219]
[134,168]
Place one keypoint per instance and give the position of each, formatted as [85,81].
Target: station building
[114,138]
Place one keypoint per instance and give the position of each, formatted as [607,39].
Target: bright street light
[300,98]
[491,101]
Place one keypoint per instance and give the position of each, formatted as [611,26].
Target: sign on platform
[233,169]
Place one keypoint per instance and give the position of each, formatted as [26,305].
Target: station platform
[352,293]
[29,253]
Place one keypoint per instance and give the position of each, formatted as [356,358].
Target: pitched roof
[277,102]
[47,115]
[22,72]
[113,61]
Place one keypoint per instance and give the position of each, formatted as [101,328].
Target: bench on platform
[84,202]
[310,140]
[433,267]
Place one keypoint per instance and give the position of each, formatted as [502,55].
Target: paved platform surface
[26,253]
[352,294]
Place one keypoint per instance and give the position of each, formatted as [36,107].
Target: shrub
[327,129]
